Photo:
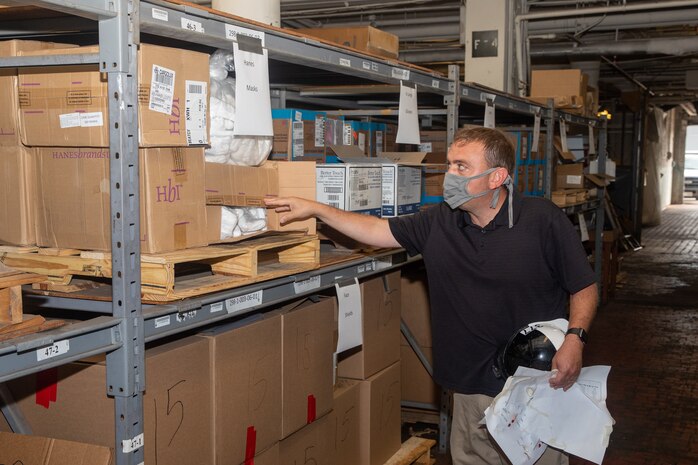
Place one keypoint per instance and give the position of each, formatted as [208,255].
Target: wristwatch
[581,332]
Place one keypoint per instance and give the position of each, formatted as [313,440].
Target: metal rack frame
[126,325]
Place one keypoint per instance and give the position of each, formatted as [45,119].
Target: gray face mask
[456,191]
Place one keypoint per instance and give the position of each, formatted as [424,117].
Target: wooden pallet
[413,451]
[177,275]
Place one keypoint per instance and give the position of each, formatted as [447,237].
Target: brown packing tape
[179,164]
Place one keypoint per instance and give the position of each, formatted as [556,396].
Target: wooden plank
[18,278]
[412,450]
[58,252]
[76,285]
[46,325]
[18,248]
[29,321]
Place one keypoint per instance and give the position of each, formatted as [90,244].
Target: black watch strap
[579,332]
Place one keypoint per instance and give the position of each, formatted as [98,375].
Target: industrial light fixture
[604,114]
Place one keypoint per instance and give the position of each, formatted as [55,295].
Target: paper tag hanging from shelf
[536,133]
[408,119]
[489,114]
[253,100]
[349,315]
[592,141]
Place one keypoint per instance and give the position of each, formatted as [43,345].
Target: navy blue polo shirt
[486,283]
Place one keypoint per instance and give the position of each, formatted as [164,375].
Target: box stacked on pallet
[417,385]
[376,368]
[17,178]
[64,111]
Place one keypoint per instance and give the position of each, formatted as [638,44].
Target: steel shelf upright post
[118,38]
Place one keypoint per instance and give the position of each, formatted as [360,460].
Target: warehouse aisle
[649,335]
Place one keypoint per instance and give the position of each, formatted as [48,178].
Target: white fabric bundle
[236,222]
[225,146]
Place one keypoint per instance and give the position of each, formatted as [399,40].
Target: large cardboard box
[68,106]
[417,385]
[17,195]
[402,182]
[248,186]
[433,142]
[246,369]
[366,38]
[415,310]
[567,87]
[176,403]
[569,176]
[309,445]
[19,449]
[345,445]
[73,208]
[9,88]
[355,184]
[307,340]
[380,300]
[380,416]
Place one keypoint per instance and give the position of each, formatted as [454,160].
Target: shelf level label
[243,302]
[231,33]
[306,285]
[193,26]
[129,445]
[54,350]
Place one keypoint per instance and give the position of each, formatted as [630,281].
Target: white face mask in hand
[456,191]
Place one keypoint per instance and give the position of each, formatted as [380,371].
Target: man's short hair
[499,151]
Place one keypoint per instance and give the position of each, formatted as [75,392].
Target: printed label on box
[298,148]
[365,188]
[330,186]
[389,195]
[195,112]
[319,131]
[162,90]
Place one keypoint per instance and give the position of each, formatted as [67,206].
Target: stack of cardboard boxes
[568,88]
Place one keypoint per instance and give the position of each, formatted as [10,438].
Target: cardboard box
[567,87]
[68,106]
[176,403]
[366,38]
[402,182]
[268,457]
[569,176]
[354,185]
[307,362]
[9,87]
[433,179]
[245,366]
[248,186]
[380,300]
[415,311]
[390,136]
[298,134]
[416,383]
[309,445]
[559,197]
[18,449]
[73,209]
[17,195]
[380,416]
[433,142]
[609,172]
[345,423]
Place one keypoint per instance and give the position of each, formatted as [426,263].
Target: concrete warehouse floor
[649,335]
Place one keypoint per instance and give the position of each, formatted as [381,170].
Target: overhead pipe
[582,12]
[616,22]
[665,46]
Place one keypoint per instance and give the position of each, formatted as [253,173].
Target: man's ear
[498,177]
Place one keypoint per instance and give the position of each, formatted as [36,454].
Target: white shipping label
[129,445]
[408,119]
[319,131]
[195,112]
[592,141]
[54,350]
[389,189]
[350,316]
[536,134]
[425,147]
[306,285]
[162,321]
[379,142]
[162,90]
[253,100]
[362,141]
[243,302]
[574,179]
[347,138]
[69,120]
[217,307]
[161,15]
[489,114]
[365,188]
[297,133]
[330,186]
[231,33]
[92,119]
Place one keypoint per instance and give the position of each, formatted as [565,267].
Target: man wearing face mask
[496,261]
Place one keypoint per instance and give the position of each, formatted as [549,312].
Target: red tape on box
[46,387]
[250,445]
[311,408]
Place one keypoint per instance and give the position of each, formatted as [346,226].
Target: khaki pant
[471,444]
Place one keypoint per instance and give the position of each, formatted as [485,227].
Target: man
[495,262]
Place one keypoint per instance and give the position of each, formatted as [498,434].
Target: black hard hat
[532,346]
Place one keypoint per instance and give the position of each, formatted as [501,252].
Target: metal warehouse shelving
[124,325]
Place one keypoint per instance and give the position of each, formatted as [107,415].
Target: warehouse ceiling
[651,47]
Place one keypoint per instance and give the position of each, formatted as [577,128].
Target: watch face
[578,332]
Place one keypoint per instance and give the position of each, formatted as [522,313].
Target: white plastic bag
[225,146]
[236,222]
